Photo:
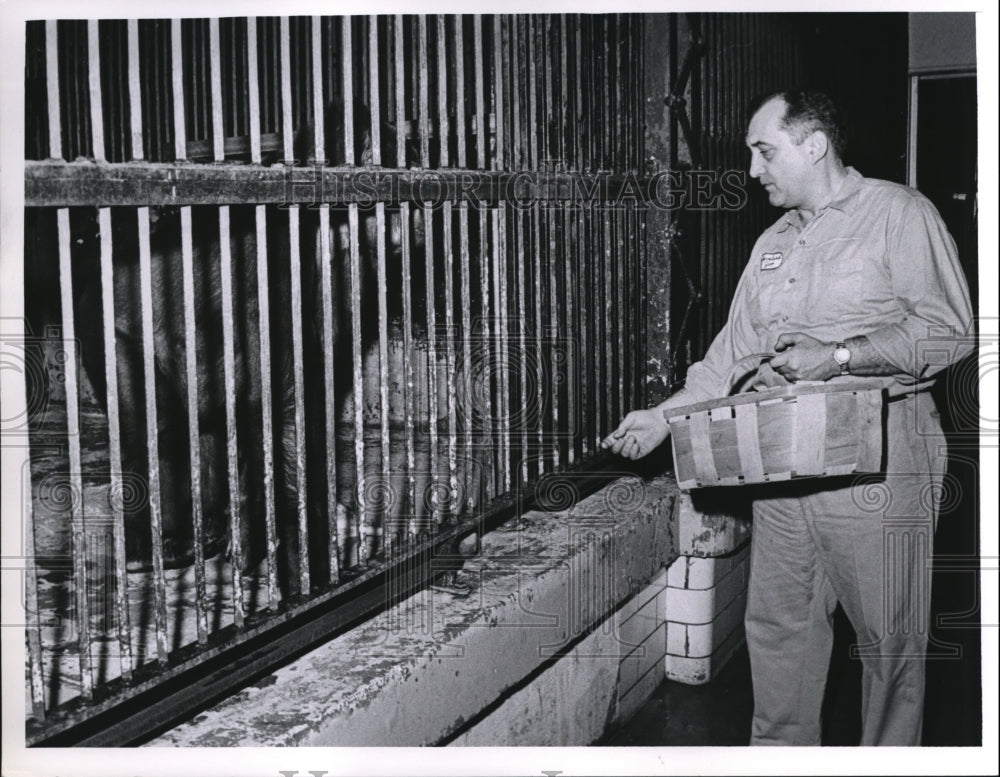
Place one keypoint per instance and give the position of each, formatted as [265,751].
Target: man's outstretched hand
[638,434]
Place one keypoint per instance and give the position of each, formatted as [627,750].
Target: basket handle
[741,371]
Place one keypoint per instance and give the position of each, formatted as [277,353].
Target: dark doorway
[945,171]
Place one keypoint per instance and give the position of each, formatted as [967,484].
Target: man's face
[783,167]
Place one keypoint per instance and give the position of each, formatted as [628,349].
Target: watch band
[842,356]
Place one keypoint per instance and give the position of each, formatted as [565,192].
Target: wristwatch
[842,355]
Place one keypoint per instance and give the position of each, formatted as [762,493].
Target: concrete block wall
[603,681]
[705,600]
[642,633]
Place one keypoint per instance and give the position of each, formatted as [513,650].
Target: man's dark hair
[807,111]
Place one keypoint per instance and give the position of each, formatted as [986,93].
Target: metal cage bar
[516,340]
[190,348]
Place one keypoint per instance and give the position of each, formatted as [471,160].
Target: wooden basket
[802,430]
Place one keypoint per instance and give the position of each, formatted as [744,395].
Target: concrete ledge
[433,667]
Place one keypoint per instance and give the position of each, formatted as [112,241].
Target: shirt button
[784,318]
[802,242]
[791,280]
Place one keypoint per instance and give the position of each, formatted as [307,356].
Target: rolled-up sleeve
[931,293]
[707,378]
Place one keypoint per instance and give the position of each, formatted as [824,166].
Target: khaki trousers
[866,542]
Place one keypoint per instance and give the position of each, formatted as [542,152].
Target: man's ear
[818,146]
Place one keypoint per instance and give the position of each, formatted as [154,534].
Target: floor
[719,713]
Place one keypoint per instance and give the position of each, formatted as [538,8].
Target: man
[853,280]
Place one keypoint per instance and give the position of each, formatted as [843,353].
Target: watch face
[842,356]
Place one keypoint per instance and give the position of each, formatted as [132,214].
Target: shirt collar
[845,200]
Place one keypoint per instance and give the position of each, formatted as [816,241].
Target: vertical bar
[36,675]
[501,68]
[264,317]
[35,670]
[432,366]
[480,88]
[111,374]
[94,84]
[383,308]
[449,319]
[622,246]
[607,300]
[228,340]
[582,323]
[298,369]
[295,288]
[52,88]
[501,32]
[75,465]
[461,116]
[326,304]
[444,159]
[194,438]
[567,254]
[228,349]
[152,438]
[488,347]
[465,270]
[218,133]
[520,159]
[503,338]
[399,51]
[422,74]
[444,125]
[551,217]
[190,342]
[347,58]
[287,136]
[373,91]
[253,90]
[134,90]
[536,230]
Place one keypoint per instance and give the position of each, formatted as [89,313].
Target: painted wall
[942,41]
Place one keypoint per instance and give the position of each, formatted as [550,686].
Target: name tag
[770,261]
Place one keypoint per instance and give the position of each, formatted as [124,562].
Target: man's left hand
[801,357]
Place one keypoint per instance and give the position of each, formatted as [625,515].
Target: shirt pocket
[837,283]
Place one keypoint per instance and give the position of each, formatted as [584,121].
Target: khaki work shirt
[877,261]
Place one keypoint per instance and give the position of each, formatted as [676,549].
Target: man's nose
[756,168]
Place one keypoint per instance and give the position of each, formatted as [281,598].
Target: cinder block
[676,638]
[641,599]
[705,572]
[690,606]
[698,671]
[693,605]
[643,658]
[630,702]
[636,629]
[704,639]
[728,588]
